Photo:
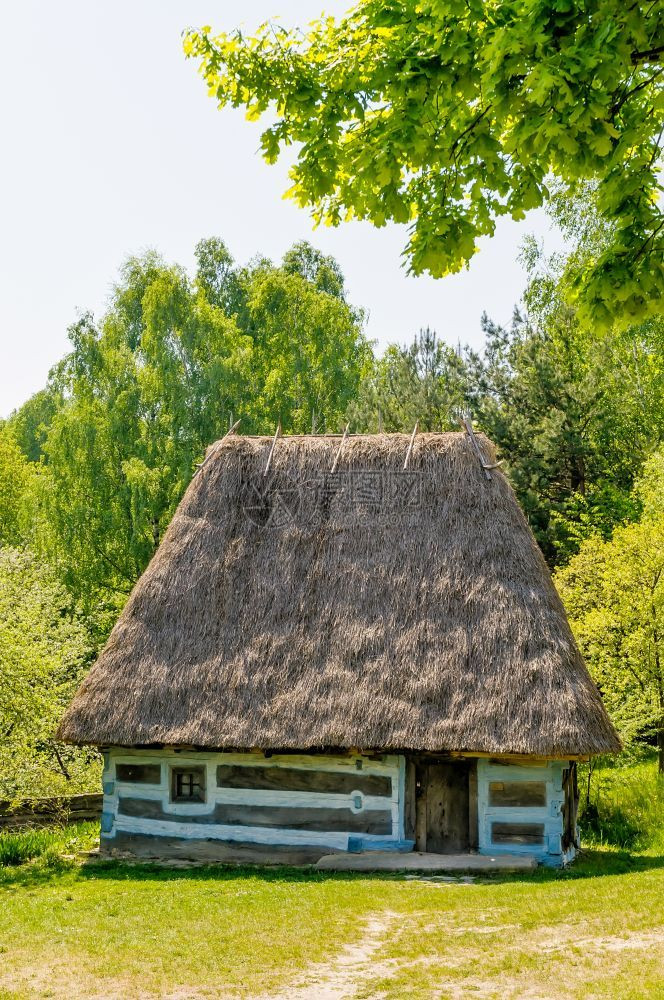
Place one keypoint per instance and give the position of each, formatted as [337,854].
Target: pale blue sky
[110,145]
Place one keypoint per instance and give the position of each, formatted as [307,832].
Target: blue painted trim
[106,822]
[108,787]
[357,845]
[401,798]
[555,843]
[551,860]
[549,816]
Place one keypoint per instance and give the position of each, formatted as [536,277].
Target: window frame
[199,775]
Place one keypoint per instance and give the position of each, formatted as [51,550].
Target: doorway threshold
[417,861]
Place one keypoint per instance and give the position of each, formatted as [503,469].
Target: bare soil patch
[349,971]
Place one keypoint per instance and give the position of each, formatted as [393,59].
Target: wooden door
[442,807]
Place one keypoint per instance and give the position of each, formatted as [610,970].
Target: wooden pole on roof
[341,444]
[231,430]
[277,434]
[465,423]
[410,446]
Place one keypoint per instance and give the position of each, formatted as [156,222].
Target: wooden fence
[42,812]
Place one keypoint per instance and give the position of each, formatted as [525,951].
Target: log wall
[299,806]
[520,809]
[347,803]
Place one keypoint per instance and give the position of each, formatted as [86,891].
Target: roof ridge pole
[465,422]
[341,444]
[277,434]
[215,449]
[410,446]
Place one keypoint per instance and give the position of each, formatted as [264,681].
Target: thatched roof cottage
[343,645]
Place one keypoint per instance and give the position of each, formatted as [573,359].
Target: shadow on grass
[590,864]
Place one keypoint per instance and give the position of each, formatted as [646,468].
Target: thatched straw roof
[363,608]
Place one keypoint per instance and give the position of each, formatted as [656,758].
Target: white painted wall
[392,766]
[551,815]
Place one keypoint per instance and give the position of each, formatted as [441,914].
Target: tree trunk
[61,763]
[578,475]
[659,675]
[591,768]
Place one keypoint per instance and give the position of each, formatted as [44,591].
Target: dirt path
[354,969]
[344,975]
[338,979]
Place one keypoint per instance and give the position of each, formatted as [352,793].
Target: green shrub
[46,843]
[625,808]
[17,848]
[609,825]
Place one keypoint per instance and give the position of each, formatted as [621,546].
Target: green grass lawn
[71,929]
[117,930]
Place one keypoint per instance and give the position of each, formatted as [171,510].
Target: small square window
[188,784]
